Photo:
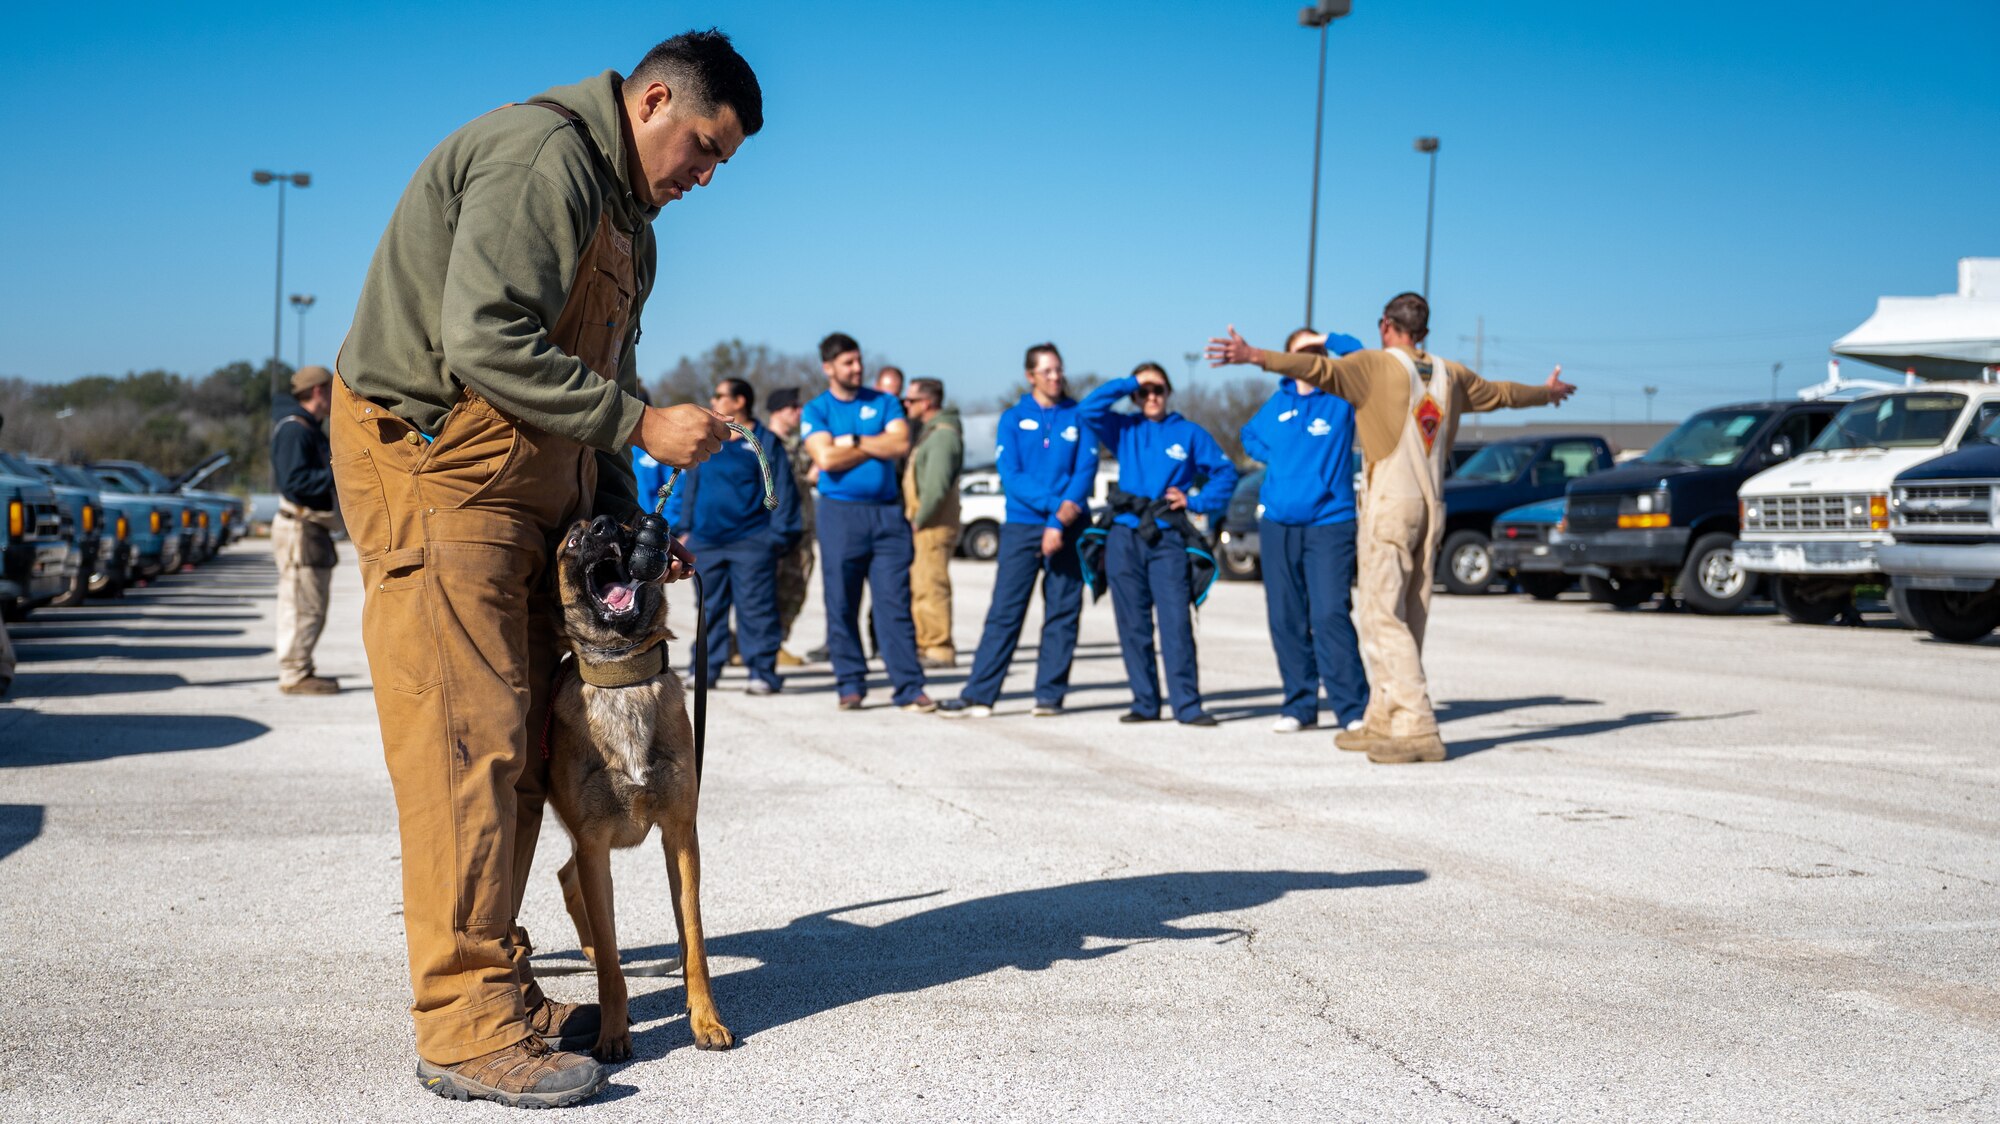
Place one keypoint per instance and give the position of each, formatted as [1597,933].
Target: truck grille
[1808,513]
[1592,513]
[1967,506]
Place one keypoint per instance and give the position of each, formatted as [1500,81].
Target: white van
[1815,522]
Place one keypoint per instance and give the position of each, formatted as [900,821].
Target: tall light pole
[1650,391]
[1775,368]
[1429,145]
[1320,15]
[302,303]
[295,179]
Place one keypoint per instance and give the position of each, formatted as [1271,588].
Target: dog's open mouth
[611,584]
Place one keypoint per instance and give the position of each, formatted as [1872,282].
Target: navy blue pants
[742,575]
[1145,581]
[1021,562]
[1308,587]
[868,542]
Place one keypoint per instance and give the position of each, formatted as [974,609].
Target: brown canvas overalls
[455,539]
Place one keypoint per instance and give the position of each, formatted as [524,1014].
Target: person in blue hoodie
[1047,460]
[1175,466]
[737,541]
[1305,532]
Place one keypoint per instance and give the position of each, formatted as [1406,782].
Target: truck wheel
[1711,581]
[1961,618]
[1238,564]
[1619,593]
[1544,587]
[1468,563]
[1810,603]
[79,587]
[982,541]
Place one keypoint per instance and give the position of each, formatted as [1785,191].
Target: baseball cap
[305,378]
[783,398]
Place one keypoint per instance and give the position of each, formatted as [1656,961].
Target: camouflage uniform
[795,569]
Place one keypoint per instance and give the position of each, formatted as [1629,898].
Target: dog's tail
[829,914]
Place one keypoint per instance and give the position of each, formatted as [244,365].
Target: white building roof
[1953,336]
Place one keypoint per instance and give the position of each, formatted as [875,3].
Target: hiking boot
[566,1026]
[850,702]
[786,659]
[1359,739]
[1407,750]
[937,663]
[312,685]
[527,1074]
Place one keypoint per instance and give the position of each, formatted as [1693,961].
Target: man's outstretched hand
[1222,352]
[1558,389]
[680,436]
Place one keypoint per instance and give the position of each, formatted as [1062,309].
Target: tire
[982,541]
[1802,603]
[1238,564]
[1619,593]
[1466,563]
[79,588]
[1711,581]
[1544,587]
[1961,618]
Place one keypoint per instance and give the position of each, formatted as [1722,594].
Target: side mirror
[1780,450]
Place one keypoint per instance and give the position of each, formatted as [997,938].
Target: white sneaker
[1286,724]
[759,687]
[959,708]
[1046,710]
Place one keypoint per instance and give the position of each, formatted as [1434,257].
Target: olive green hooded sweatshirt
[477,263]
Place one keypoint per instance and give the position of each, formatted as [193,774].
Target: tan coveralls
[1401,518]
[455,538]
[302,546]
[930,569]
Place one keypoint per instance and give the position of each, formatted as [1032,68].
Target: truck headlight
[1645,511]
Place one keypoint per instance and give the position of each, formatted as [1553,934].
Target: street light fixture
[1650,391]
[294,179]
[1320,15]
[1429,145]
[302,302]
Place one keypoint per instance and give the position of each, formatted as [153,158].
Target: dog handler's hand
[680,562]
[1222,352]
[1558,389]
[680,436]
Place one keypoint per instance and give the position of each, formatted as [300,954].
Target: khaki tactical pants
[930,591]
[302,546]
[794,578]
[1392,601]
[455,539]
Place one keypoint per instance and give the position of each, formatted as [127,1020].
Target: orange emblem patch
[1430,418]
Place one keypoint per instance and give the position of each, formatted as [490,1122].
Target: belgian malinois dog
[622,761]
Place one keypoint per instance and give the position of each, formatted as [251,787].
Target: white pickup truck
[982,508]
[1816,522]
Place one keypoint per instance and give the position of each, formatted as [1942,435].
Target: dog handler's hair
[704,67]
[1028,363]
[1410,312]
[1296,333]
[1149,365]
[932,389]
[836,345]
[738,388]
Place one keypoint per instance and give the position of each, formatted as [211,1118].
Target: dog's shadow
[821,962]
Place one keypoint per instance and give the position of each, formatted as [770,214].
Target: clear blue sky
[1669,194]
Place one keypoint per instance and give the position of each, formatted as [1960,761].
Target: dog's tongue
[618,595]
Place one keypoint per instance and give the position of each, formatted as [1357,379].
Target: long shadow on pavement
[1458,749]
[821,962]
[19,825]
[30,651]
[67,739]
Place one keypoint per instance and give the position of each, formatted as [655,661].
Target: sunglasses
[1150,390]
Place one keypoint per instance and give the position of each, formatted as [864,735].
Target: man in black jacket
[302,532]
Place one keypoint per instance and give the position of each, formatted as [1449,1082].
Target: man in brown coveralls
[486,399]
[1406,409]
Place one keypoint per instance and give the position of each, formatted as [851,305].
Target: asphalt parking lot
[1678,868]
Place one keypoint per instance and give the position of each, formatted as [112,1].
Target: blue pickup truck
[35,559]
[1498,478]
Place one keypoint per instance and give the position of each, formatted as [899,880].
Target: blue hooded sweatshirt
[1154,456]
[1046,455]
[1306,442]
[722,499]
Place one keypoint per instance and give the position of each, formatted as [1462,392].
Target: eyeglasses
[1150,390]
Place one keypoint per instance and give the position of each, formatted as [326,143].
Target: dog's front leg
[593,868]
[684,875]
[572,892]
